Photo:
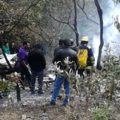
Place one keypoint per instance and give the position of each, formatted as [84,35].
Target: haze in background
[111,34]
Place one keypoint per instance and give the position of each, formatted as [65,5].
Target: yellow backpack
[82,56]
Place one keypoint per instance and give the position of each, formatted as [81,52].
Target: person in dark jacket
[63,53]
[37,63]
[13,48]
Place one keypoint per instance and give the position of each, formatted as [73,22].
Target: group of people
[37,63]
[10,48]
[35,60]
[81,56]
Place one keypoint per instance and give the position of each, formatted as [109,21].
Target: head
[67,43]
[28,44]
[6,44]
[25,44]
[38,47]
[84,40]
[61,43]
[12,43]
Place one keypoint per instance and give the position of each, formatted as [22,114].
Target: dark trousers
[25,75]
[39,76]
[80,72]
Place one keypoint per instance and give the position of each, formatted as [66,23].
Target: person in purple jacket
[22,56]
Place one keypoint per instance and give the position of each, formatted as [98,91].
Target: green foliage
[100,113]
[5,87]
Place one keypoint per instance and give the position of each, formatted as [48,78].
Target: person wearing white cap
[85,56]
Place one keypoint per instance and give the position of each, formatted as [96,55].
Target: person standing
[85,57]
[60,56]
[6,48]
[37,63]
[22,57]
[13,48]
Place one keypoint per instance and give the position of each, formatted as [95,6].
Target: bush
[5,87]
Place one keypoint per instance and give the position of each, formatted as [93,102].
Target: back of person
[63,53]
[37,63]
[85,56]
[82,56]
[36,60]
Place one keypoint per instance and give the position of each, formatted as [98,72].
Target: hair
[37,46]
[25,43]
[67,42]
[61,41]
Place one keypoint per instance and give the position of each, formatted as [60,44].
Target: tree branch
[63,22]
[82,8]
[83,4]
[32,4]
[36,33]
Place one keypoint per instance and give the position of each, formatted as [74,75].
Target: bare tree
[75,22]
[100,14]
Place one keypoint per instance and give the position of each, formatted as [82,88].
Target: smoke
[95,46]
[111,34]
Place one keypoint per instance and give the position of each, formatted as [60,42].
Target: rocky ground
[92,103]
[31,107]
[32,113]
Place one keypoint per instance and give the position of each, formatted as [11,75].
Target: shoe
[52,102]
[65,102]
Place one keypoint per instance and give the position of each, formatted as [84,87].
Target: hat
[67,42]
[84,38]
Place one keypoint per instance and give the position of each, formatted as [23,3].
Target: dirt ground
[33,113]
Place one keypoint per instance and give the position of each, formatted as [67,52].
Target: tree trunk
[100,14]
[75,23]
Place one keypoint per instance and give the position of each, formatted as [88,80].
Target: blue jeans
[57,86]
